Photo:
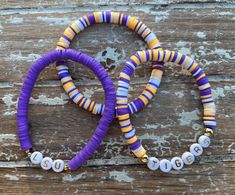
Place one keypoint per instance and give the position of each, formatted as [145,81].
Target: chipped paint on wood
[43,99]
[121,176]
[71,178]
[164,125]
[186,118]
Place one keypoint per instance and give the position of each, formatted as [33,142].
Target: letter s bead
[46,163]
[204,141]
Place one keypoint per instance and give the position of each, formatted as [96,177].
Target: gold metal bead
[28,153]
[66,167]
[145,158]
[208,132]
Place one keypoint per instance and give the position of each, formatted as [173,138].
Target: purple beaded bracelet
[22,112]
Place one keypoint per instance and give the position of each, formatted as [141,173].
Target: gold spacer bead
[66,167]
[145,158]
[28,153]
[208,132]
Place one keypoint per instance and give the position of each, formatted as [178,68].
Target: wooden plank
[14,4]
[166,129]
[217,178]
[210,44]
[203,29]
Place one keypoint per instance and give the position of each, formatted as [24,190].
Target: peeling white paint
[15,20]
[201,35]
[222,91]
[230,88]
[185,50]
[179,94]
[186,118]
[161,16]
[201,51]
[225,13]
[182,180]
[18,57]
[7,137]
[9,113]
[54,21]
[231,148]
[218,92]
[103,2]
[109,53]
[1,28]
[71,178]
[182,43]
[11,105]
[197,127]
[155,126]
[89,92]
[120,176]
[8,100]
[42,99]
[223,53]
[9,156]
[11,177]
[182,49]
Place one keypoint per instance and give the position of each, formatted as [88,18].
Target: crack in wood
[117,7]
[56,83]
[123,161]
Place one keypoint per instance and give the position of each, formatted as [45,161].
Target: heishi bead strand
[129,131]
[80,158]
[110,18]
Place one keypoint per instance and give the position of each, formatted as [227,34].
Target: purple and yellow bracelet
[128,129]
[114,18]
[22,111]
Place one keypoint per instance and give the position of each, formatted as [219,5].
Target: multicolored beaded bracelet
[22,112]
[127,128]
[113,18]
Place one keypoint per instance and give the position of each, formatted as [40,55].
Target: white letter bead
[46,163]
[165,165]
[196,149]
[58,165]
[36,157]
[204,141]
[153,163]
[188,158]
[177,163]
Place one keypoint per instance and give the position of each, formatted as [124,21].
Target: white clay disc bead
[153,163]
[204,141]
[58,165]
[177,163]
[196,149]
[165,165]
[188,158]
[36,157]
[46,163]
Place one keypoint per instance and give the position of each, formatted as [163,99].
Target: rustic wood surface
[203,29]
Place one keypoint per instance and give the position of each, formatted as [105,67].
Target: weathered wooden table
[203,29]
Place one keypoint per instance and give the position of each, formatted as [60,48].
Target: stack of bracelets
[111,109]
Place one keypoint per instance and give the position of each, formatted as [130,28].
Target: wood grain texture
[203,29]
